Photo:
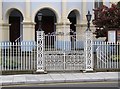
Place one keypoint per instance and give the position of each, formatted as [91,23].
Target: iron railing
[107,55]
[17,56]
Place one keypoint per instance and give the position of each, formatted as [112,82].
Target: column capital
[84,24]
[28,23]
[5,24]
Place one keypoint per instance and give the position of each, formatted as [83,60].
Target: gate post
[88,51]
[40,51]
[88,46]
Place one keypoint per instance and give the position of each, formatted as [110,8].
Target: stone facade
[28,9]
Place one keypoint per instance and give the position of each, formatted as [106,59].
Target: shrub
[106,18]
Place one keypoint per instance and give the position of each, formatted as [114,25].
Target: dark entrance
[72,19]
[48,20]
[16,28]
[47,24]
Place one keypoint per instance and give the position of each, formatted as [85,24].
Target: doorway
[48,26]
[16,28]
[72,19]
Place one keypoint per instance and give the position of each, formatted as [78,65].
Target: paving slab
[32,79]
[82,77]
[19,79]
[7,79]
[109,76]
[70,77]
[95,77]
[45,78]
[57,78]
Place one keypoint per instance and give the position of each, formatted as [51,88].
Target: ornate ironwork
[88,51]
[52,57]
[40,51]
[55,61]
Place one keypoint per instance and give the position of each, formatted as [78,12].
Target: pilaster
[64,14]
[28,31]
[27,10]
[0,11]
[84,11]
[4,32]
[0,20]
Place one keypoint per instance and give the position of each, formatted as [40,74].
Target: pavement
[58,78]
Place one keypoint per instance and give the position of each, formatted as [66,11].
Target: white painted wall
[74,6]
[90,7]
[54,6]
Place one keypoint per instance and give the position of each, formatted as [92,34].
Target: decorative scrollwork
[40,53]
[57,62]
[88,50]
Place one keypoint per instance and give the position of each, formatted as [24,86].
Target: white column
[1,20]
[28,25]
[64,14]
[65,23]
[4,27]
[27,10]
[84,11]
[28,31]
[81,28]
[0,11]
[63,26]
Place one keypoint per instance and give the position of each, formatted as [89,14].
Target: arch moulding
[55,11]
[77,12]
[9,10]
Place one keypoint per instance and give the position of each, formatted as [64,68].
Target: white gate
[59,52]
[63,53]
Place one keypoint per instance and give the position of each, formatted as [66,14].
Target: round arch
[8,11]
[48,21]
[77,13]
[47,7]
[15,18]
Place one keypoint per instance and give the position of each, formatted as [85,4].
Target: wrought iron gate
[61,60]
[62,52]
